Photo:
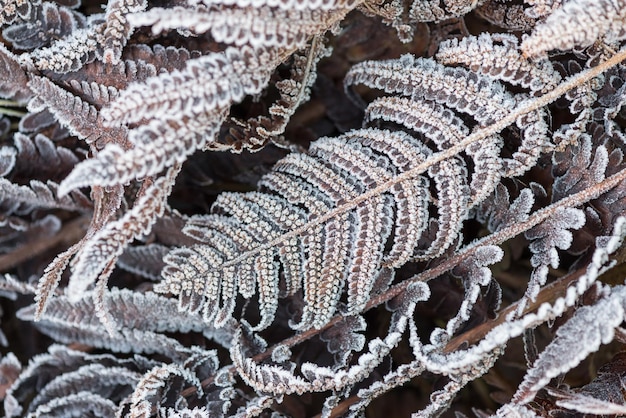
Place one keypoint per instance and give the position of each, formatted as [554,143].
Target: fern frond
[158,313]
[50,367]
[579,336]
[41,195]
[69,322]
[82,119]
[152,386]
[118,30]
[416,77]
[257,27]
[70,53]
[91,378]
[546,237]
[161,144]
[261,218]
[475,274]
[497,56]
[109,242]
[586,404]
[14,83]
[77,404]
[225,78]
[52,22]
[39,158]
[578,23]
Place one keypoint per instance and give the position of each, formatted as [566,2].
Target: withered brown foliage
[301,208]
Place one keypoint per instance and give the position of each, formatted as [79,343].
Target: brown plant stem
[70,233]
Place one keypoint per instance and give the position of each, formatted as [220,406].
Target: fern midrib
[522,109]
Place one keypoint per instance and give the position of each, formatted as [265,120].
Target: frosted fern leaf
[118,29]
[352,248]
[425,80]
[51,22]
[497,56]
[70,53]
[581,335]
[108,243]
[226,77]
[578,23]
[204,275]
[546,238]
[257,27]
[586,404]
